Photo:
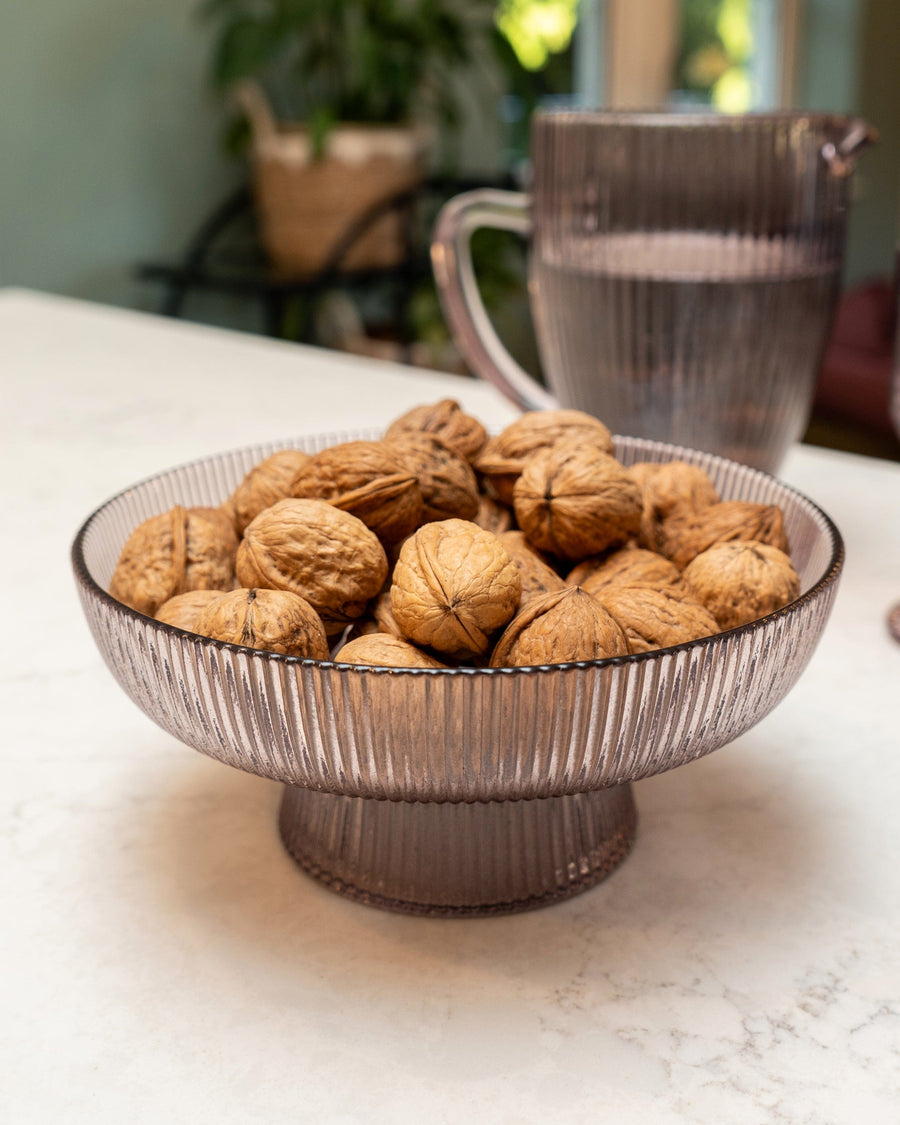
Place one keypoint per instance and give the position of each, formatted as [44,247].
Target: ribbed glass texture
[463,734]
[684,271]
[457,858]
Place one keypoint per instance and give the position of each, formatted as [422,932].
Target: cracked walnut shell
[447,420]
[453,586]
[274,620]
[180,550]
[326,555]
[503,457]
[657,617]
[367,479]
[741,581]
[558,628]
[575,501]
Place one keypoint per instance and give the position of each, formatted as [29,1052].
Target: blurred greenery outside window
[727,54]
[725,59]
[541,35]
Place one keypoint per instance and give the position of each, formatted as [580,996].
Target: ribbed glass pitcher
[683,271]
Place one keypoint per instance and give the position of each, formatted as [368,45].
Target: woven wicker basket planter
[306,205]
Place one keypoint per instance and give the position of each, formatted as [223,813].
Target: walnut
[656,617]
[519,540]
[584,569]
[367,479]
[320,552]
[265,484]
[274,620]
[575,501]
[220,517]
[678,484]
[446,419]
[503,457]
[683,537]
[454,585]
[631,565]
[384,615]
[447,482]
[740,581]
[643,471]
[182,549]
[227,509]
[386,651]
[493,516]
[558,628]
[670,489]
[393,553]
[537,576]
[378,619]
[183,610]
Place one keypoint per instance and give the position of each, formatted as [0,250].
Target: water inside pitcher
[683,271]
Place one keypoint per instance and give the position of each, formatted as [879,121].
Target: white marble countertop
[165,961]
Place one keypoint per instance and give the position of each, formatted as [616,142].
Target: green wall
[109,141]
[851,63]
[875,228]
[830,54]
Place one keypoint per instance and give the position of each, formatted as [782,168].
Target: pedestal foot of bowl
[495,857]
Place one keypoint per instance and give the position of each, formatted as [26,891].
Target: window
[729,55]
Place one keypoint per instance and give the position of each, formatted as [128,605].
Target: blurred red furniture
[854,384]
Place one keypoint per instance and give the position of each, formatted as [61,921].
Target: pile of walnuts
[438,546]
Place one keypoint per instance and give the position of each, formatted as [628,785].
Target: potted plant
[341,97]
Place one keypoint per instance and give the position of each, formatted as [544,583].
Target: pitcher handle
[842,152]
[451,259]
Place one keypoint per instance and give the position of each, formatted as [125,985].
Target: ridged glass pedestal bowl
[455,791]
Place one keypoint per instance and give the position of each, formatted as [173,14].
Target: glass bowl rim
[830,575]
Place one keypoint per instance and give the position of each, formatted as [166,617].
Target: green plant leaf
[237,136]
[321,122]
[357,60]
[244,48]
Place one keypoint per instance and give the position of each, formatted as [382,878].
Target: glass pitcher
[683,271]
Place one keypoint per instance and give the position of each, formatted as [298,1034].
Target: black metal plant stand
[288,301]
